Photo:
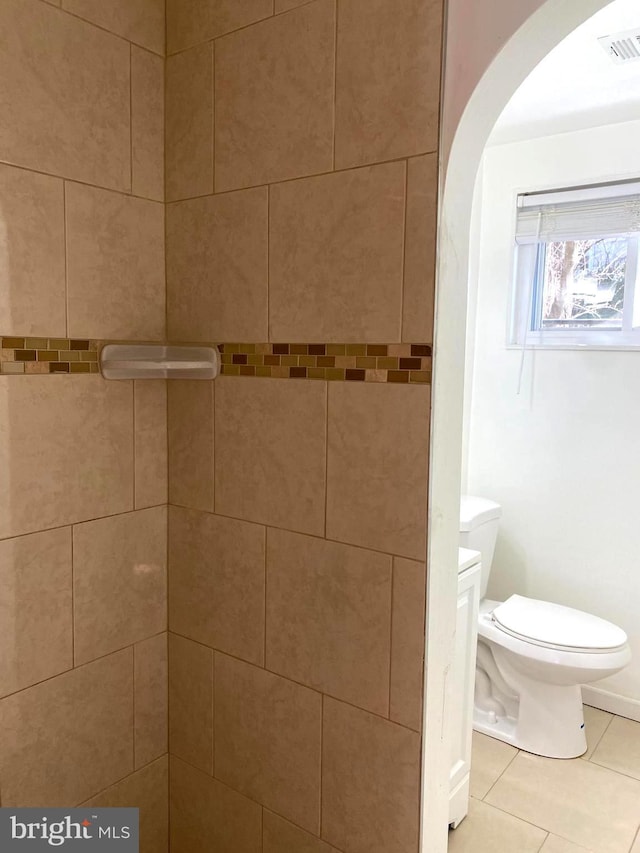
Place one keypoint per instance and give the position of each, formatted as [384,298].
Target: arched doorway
[483,69]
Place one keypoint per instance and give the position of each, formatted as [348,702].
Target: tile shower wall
[83,485]
[301,193]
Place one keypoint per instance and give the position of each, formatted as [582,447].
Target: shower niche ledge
[151,361]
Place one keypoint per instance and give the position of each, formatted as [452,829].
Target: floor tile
[619,748]
[489,759]
[575,799]
[596,722]
[489,830]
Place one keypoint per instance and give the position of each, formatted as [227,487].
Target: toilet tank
[479,520]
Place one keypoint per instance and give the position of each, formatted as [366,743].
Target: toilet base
[549,721]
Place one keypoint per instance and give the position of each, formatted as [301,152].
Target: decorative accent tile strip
[48,355]
[404,363]
[410,363]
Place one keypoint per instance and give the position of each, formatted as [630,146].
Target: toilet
[533,656]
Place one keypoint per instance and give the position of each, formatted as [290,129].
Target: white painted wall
[563,458]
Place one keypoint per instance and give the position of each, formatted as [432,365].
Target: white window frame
[527,280]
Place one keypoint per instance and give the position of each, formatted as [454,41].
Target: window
[577,268]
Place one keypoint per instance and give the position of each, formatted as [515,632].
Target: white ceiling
[577,85]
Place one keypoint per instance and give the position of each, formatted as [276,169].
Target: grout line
[326,457]
[288,678]
[403,265]
[127,776]
[66,257]
[266,547]
[73,605]
[133,702]
[304,177]
[213,116]
[72,180]
[391,606]
[224,35]
[80,666]
[213,712]
[335,80]
[86,521]
[100,27]
[250,798]
[293,532]
[131,117]
[268,263]
[320,805]
[597,743]
[518,817]
[133,443]
[513,758]
[213,450]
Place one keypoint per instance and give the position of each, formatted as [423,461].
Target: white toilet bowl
[532,658]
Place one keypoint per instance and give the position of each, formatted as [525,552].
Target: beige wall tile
[147,790]
[189,123]
[115,265]
[35,603]
[377,466]
[32,273]
[206,815]
[139,21]
[280,836]
[191,702]
[407,642]
[147,124]
[420,250]
[150,442]
[66,451]
[343,236]
[70,737]
[267,734]
[190,22]
[65,85]
[370,782]
[270,452]
[388,86]
[577,800]
[151,699]
[274,98]
[329,617]
[217,267]
[190,407]
[216,582]
[487,830]
[119,581]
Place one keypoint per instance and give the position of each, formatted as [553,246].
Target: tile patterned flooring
[521,803]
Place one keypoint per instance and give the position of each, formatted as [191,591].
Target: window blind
[579,214]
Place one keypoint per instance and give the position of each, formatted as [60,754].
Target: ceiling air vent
[622,47]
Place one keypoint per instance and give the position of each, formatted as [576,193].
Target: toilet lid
[555,625]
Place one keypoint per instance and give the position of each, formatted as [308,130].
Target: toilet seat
[555,626]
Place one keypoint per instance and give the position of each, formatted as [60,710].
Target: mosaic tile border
[408,363]
[47,355]
[399,363]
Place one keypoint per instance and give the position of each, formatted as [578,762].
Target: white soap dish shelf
[150,361]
